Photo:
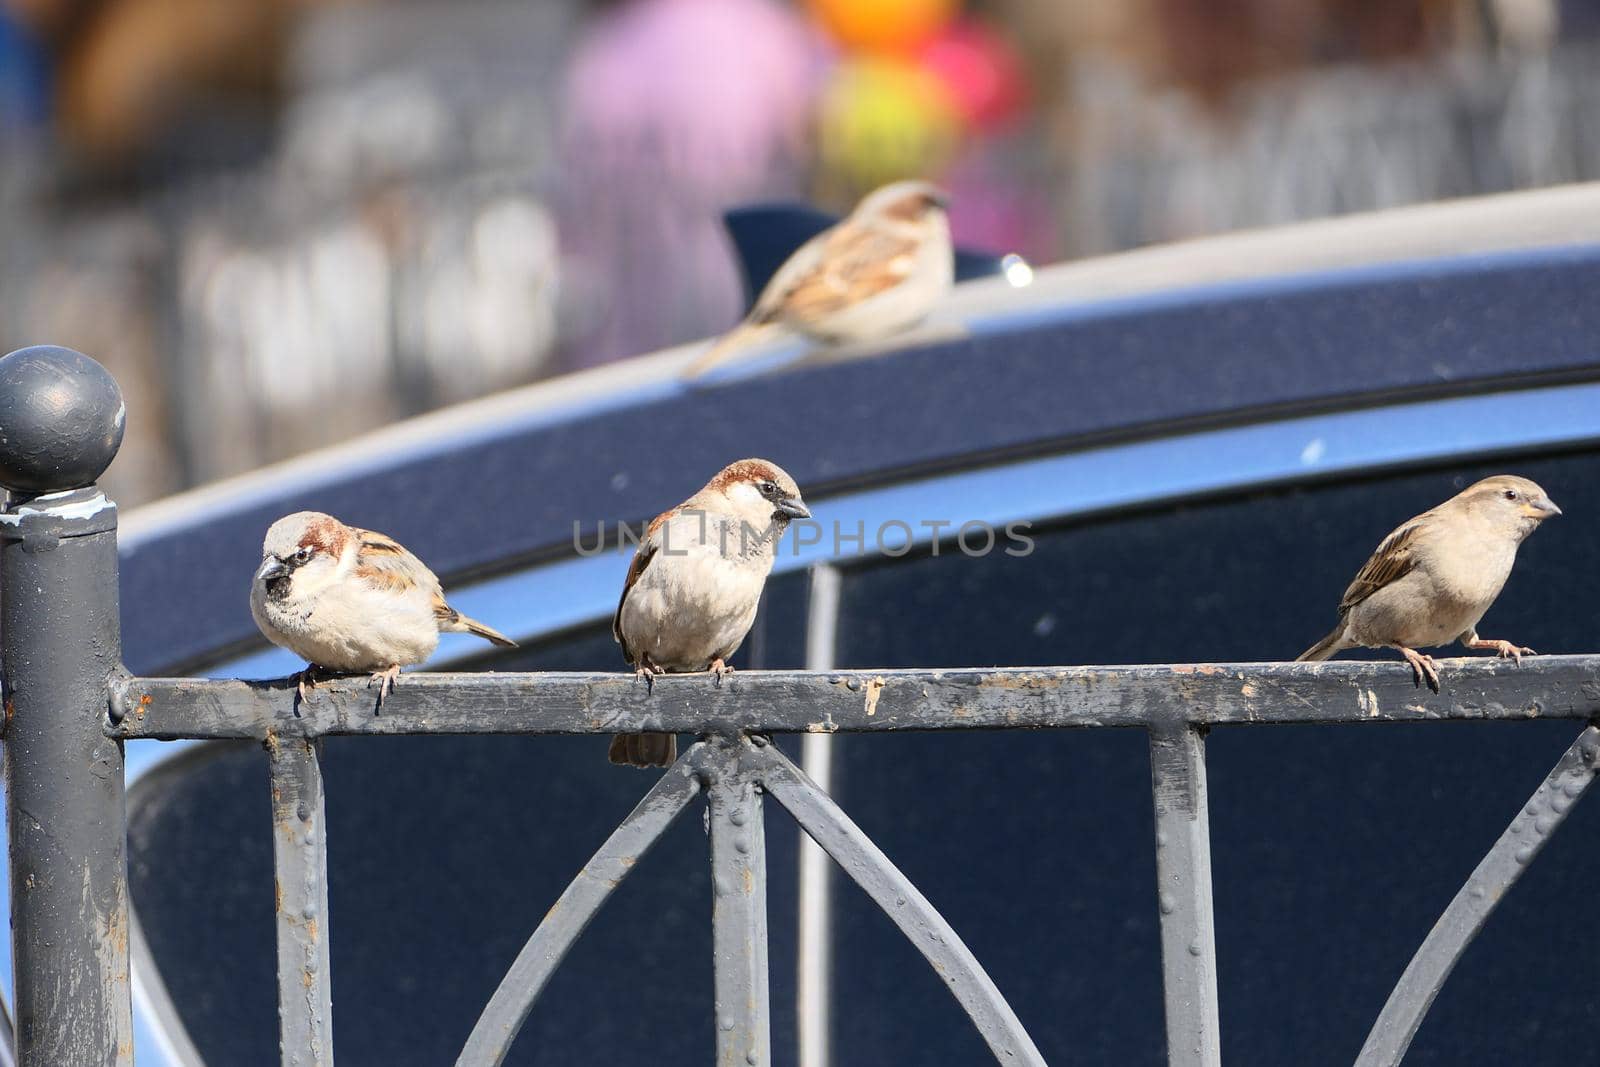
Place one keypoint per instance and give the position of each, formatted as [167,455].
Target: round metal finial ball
[61,417]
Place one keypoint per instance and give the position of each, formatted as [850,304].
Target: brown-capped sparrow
[877,272]
[350,600]
[1432,579]
[695,582]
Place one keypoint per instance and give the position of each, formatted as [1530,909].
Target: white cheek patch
[314,575]
[746,494]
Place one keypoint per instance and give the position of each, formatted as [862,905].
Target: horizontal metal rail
[1553,687]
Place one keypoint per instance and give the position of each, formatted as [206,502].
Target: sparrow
[1431,580]
[877,272]
[695,582]
[350,600]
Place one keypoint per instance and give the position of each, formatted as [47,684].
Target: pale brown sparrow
[350,600]
[875,273]
[1432,579]
[695,583]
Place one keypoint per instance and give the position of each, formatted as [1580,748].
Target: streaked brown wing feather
[641,559]
[385,563]
[856,263]
[1392,560]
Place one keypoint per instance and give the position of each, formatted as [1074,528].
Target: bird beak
[1543,508]
[939,199]
[794,508]
[271,567]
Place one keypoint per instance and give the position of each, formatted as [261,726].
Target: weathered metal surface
[65,809]
[300,894]
[738,907]
[1183,888]
[864,862]
[506,1011]
[61,420]
[1516,848]
[1565,687]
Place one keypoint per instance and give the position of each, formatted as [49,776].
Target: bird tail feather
[730,343]
[644,750]
[1325,648]
[464,625]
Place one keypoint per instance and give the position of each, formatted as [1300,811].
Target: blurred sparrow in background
[350,600]
[695,583]
[877,272]
[1431,580]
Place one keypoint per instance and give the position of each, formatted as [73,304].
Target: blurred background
[281,223]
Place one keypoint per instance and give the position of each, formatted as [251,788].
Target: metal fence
[69,706]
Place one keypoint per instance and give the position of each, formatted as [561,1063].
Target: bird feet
[1422,667]
[718,669]
[304,682]
[1503,649]
[648,671]
[385,680]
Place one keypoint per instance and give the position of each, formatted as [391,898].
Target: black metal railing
[69,707]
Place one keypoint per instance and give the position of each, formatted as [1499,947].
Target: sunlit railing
[69,706]
[733,767]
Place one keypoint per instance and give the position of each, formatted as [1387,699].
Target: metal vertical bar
[60,424]
[300,861]
[738,910]
[1183,876]
[814,1023]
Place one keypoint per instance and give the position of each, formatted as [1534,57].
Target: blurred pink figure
[993,208]
[675,110]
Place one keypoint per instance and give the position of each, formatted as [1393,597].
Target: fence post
[61,419]
[1183,876]
[738,907]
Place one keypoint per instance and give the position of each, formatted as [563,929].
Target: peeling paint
[81,509]
[874,689]
[1367,701]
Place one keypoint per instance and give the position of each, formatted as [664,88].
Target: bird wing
[384,563]
[642,555]
[1393,560]
[836,269]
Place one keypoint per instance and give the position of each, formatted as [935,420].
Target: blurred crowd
[283,222]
